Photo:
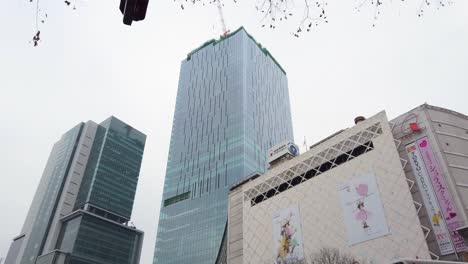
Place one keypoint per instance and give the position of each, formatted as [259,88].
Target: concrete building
[410,201]
[434,140]
[84,200]
[318,196]
[232,106]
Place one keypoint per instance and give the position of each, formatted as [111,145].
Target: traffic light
[133,10]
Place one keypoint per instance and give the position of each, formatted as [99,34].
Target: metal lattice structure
[319,163]
[311,181]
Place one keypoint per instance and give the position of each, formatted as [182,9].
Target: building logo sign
[362,209]
[281,150]
[429,198]
[449,210]
[293,149]
[287,236]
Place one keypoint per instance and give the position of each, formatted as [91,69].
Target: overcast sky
[90,66]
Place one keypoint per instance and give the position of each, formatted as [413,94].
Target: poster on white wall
[363,211]
[287,236]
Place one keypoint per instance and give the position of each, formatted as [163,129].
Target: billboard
[448,207]
[280,150]
[429,198]
[287,236]
[362,209]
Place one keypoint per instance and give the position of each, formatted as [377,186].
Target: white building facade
[434,140]
[349,192]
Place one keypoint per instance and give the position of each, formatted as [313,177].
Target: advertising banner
[287,236]
[429,198]
[449,210]
[363,211]
[280,150]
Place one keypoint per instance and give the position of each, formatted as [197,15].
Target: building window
[307,168]
[324,167]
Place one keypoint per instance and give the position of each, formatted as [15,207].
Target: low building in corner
[434,141]
[378,191]
[339,194]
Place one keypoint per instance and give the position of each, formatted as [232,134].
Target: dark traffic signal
[133,10]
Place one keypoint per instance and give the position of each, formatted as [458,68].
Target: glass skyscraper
[84,201]
[232,106]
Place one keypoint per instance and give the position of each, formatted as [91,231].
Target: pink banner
[439,184]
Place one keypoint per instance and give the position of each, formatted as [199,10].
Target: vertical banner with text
[429,199]
[449,209]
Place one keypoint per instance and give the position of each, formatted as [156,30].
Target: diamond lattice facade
[348,192]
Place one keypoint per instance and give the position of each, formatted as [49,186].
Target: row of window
[322,168]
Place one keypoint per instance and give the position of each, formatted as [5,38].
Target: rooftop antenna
[221,16]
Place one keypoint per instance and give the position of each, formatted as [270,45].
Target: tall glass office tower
[84,201]
[232,106]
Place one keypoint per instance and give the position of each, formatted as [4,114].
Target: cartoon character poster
[287,235]
[363,211]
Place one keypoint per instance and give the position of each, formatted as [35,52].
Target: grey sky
[89,66]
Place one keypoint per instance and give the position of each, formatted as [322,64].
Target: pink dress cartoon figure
[362,214]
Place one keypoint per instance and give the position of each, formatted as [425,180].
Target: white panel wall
[320,209]
[448,134]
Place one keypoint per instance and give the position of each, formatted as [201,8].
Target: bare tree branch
[314,12]
[333,256]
